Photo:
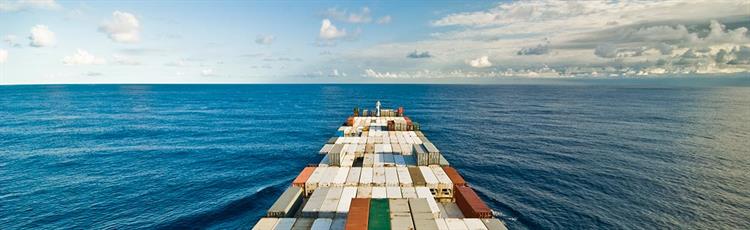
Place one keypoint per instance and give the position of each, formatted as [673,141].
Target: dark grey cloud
[540,49]
[417,54]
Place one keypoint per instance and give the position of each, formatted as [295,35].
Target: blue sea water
[217,156]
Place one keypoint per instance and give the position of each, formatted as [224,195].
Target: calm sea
[217,156]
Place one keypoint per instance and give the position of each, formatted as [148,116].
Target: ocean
[216,156]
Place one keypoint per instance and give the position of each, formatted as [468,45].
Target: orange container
[456,178]
[470,204]
[302,177]
[359,214]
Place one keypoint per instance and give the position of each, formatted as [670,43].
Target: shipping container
[322,224]
[455,224]
[345,201]
[408,192]
[441,224]
[334,156]
[368,160]
[451,210]
[430,179]
[359,214]
[303,223]
[433,152]
[287,204]
[328,176]
[387,147]
[388,160]
[266,224]
[332,140]
[391,176]
[364,192]
[303,176]
[353,178]
[285,223]
[445,185]
[324,162]
[379,193]
[331,203]
[366,177]
[347,161]
[410,160]
[313,204]
[416,176]
[393,192]
[398,160]
[422,215]
[402,222]
[406,148]
[404,179]
[326,148]
[421,153]
[474,224]
[378,160]
[379,215]
[424,192]
[312,182]
[340,177]
[455,177]
[378,176]
[443,161]
[399,206]
[395,148]
[494,224]
[471,205]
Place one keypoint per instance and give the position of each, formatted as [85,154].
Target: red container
[359,214]
[302,177]
[391,126]
[456,178]
[470,204]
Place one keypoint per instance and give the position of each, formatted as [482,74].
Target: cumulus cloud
[3,56]
[329,32]
[82,57]
[606,50]
[481,62]
[207,72]
[363,16]
[264,39]
[41,36]
[537,50]
[124,27]
[11,40]
[384,20]
[416,54]
[20,5]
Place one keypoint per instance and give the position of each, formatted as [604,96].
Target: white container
[455,223]
[378,176]
[387,148]
[445,185]
[474,224]
[441,224]
[326,148]
[391,177]
[312,182]
[345,201]
[353,178]
[285,224]
[406,149]
[430,179]
[324,162]
[341,175]
[396,148]
[408,192]
[364,192]
[379,192]
[452,210]
[340,140]
[314,202]
[393,192]
[348,160]
[368,160]
[328,176]
[398,160]
[424,192]
[378,160]
[331,202]
[387,142]
[404,178]
[266,224]
[352,148]
[322,224]
[366,177]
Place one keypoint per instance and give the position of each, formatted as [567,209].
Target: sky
[49,42]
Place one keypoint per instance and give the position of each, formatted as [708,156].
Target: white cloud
[264,39]
[606,51]
[3,56]
[481,62]
[124,27]
[82,57]
[329,32]
[41,36]
[363,16]
[207,72]
[384,20]
[20,5]
[11,40]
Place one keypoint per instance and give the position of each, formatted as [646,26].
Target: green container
[380,216]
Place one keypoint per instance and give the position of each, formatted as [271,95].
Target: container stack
[379,172]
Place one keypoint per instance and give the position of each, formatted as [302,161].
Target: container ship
[379,172]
